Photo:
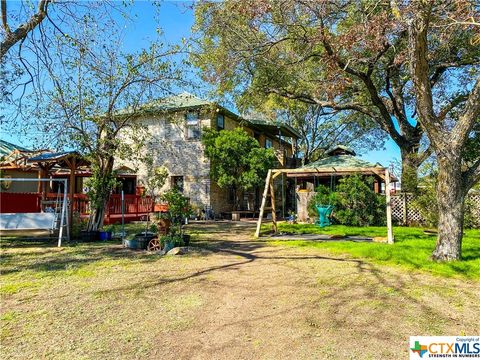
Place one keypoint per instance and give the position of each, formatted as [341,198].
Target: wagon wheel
[154,245]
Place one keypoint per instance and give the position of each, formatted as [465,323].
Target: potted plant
[170,241]
[105,235]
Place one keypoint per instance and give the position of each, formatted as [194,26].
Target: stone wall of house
[169,147]
[220,199]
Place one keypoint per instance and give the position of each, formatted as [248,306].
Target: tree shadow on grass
[70,257]
[365,283]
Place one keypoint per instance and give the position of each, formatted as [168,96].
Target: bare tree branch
[22,31]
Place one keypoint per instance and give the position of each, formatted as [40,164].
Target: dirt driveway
[239,299]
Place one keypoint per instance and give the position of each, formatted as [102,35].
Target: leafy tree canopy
[236,158]
[349,56]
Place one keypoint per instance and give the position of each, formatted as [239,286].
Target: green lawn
[412,248]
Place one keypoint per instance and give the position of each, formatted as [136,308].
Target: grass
[412,248]
[243,299]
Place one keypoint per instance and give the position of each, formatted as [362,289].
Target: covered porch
[37,196]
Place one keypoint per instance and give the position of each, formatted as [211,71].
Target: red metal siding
[19,202]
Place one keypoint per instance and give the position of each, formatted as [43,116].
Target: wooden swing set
[269,191]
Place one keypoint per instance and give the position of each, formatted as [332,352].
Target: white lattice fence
[404,212]
[398,207]
[474,199]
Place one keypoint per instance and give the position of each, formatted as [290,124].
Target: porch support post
[389,207]
[72,165]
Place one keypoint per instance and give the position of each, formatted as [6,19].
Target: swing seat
[27,221]
[324,213]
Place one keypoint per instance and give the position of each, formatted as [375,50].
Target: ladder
[57,210]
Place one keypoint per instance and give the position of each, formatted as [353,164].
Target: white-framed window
[193,125]
[268,143]
[220,122]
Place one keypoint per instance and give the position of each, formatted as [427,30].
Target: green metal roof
[180,101]
[52,156]
[6,148]
[340,148]
[341,161]
[186,100]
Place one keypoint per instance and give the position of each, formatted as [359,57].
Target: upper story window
[268,143]
[220,122]
[193,125]
[178,183]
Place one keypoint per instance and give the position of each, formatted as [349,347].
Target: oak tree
[346,56]
[451,122]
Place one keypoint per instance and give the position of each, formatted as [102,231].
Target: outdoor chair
[324,213]
[208,213]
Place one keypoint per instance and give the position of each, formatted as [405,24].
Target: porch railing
[136,205]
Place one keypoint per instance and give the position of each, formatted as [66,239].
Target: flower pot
[131,244]
[169,245]
[105,235]
[88,236]
[143,239]
[160,208]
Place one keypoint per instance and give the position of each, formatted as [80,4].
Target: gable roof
[185,101]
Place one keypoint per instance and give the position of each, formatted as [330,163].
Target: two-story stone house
[175,125]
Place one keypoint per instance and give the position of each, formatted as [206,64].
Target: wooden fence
[405,212]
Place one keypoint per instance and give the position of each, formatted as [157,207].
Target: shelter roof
[6,148]
[339,165]
[341,161]
[63,159]
[340,150]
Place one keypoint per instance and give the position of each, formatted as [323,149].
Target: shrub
[354,201]
[426,203]
[323,196]
[358,205]
[173,239]
[178,209]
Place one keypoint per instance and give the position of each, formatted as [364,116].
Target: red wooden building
[28,197]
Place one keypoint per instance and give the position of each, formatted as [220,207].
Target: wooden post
[274,212]
[264,200]
[40,184]
[389,207]
[71,190]
[405,210]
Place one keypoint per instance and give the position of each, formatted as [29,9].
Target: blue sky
[176,19]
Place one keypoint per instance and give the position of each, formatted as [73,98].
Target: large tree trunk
[451,199]
[102,193]
[97,216]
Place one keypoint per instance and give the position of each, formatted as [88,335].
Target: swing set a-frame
[269,190]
